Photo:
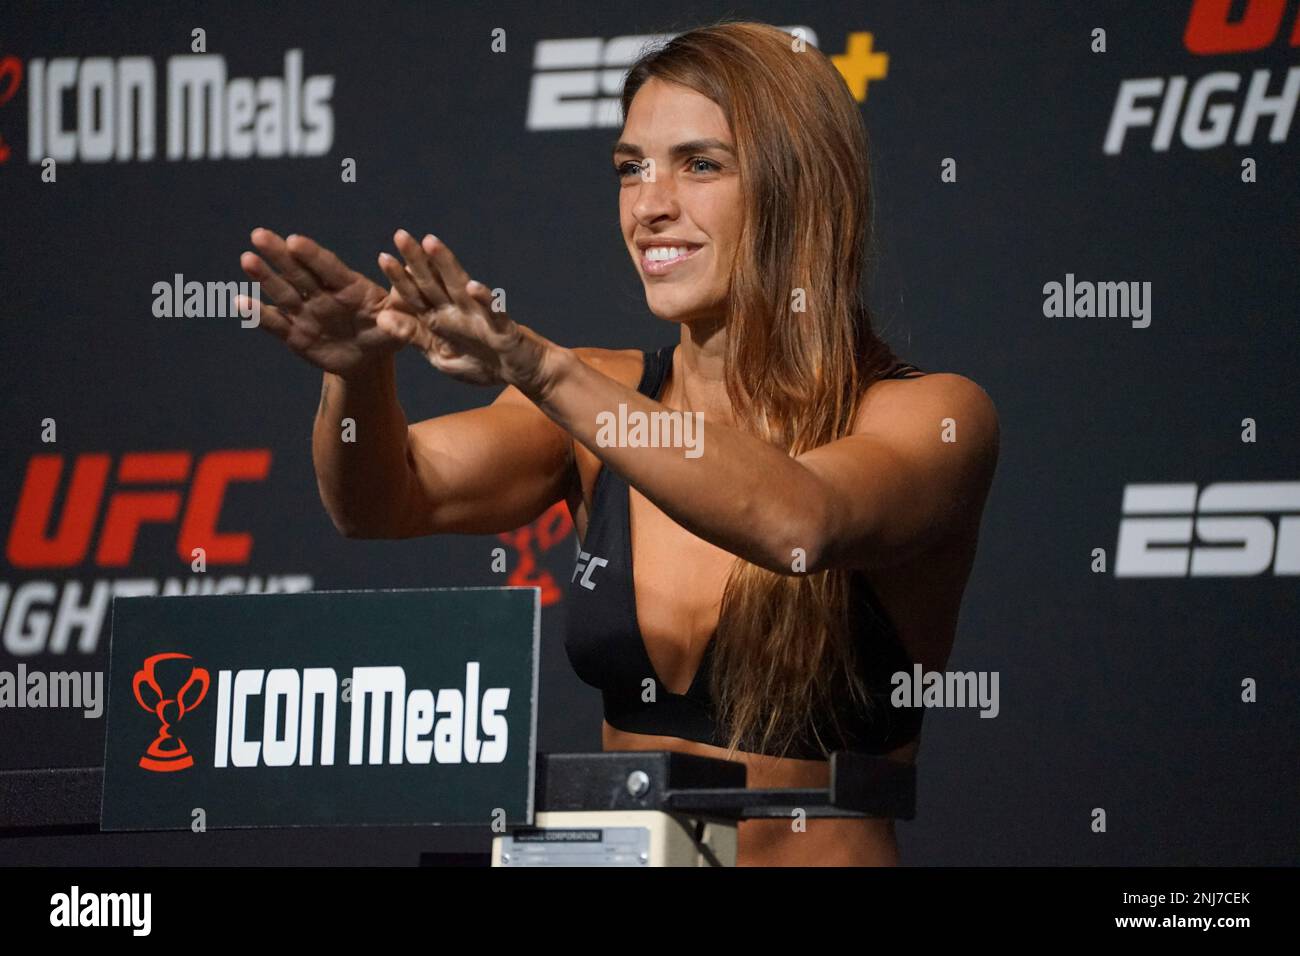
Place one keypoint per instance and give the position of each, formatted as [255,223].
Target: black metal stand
[67,801]
[861,785]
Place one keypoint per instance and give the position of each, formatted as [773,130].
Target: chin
[670,314]
[671,308]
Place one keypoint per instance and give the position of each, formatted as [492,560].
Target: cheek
[625,216]
[724,224]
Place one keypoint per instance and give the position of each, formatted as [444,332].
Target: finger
[454,278]
[407,329]
[270,281]
[498,321]
[403,282]
[269,317]
[483,296]
[421,270]
[395,300]
[326,268]
[479,292]
[276,252]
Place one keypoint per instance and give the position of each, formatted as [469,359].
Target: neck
[698,383]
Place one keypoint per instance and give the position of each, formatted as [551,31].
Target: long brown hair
[783,649]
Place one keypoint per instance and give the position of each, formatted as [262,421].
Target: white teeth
[664,253]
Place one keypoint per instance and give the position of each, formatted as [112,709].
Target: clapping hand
[453,320]
[324,311]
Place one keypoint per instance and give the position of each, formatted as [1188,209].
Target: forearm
[362,471]
[740,494]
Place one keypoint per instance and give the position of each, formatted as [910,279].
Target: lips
[658,267]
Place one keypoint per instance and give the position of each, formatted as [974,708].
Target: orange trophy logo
[168,753]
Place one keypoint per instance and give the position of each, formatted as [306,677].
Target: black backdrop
[1122,692]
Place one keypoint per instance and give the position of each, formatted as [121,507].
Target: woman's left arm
[918,460]
[916,466]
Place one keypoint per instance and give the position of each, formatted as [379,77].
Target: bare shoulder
[622,365]
[944,404]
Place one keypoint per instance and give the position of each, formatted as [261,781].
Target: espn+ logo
[1233,520]
[578,81]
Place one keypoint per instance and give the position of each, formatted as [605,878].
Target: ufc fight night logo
[1235,529]
[89,511]
[129,508]
[1201,109]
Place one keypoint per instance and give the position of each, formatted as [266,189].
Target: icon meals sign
[322,708]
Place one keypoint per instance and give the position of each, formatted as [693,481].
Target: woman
[820,538]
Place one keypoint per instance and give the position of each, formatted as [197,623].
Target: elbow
[350,523]
[355,515]
[390,525]
[369,531]
[800,541]
[351,528]
[364,533]
[348,529]
[353,533]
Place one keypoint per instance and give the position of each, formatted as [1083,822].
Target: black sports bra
[604,643]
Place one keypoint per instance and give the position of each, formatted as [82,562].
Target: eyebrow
[681,149]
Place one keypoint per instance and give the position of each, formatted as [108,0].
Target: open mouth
[660,260]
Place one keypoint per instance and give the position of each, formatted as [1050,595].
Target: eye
[622,170]
[707,162]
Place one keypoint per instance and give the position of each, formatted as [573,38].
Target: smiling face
[679,200]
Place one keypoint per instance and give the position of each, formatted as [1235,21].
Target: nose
[656,198]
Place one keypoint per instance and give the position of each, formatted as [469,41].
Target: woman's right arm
[480,471]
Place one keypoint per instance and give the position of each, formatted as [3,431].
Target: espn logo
[578,81]
[1234,521]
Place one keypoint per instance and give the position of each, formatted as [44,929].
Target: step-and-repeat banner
[1090,209]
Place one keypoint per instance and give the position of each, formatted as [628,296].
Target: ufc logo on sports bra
[1238,514]
[586,564]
